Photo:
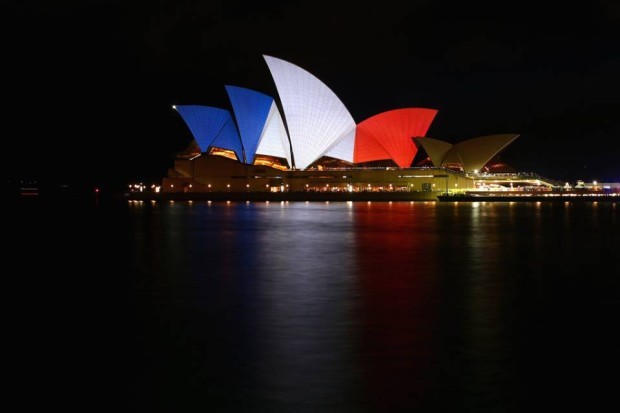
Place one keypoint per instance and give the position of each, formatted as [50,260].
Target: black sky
[89,85]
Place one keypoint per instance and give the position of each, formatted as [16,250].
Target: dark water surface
[314,307]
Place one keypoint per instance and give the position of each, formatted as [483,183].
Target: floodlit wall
[219,174]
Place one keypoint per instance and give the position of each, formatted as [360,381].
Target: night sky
[89,85]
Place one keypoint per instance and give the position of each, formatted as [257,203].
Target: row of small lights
[157,188]
[350,186]
[349,203]
[140,187]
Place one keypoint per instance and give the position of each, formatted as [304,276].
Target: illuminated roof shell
[274,140]
[317,120]
[260,124]
[211,127]
[435,149]
[250,109]
[345,148]
[472,154]
[320,125]
[388,135]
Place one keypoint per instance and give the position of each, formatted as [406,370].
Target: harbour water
[314,306]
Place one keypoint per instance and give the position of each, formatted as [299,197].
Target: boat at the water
[533,196]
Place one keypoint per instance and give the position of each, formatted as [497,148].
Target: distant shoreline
[370,196]
[302,196]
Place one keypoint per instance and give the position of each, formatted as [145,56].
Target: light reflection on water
[358,306]
[369,305]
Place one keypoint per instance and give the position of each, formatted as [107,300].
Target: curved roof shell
[260,124]
[251,109]
[316,118]
[319,125]
[472,154]
[435,149]
[274,139]
[211,127]
[388,135]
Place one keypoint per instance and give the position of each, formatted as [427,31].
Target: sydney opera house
[308,142]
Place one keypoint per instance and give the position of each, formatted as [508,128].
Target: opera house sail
[316,118]
[212,128]
[388,135]
[305,141]
[260,124]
